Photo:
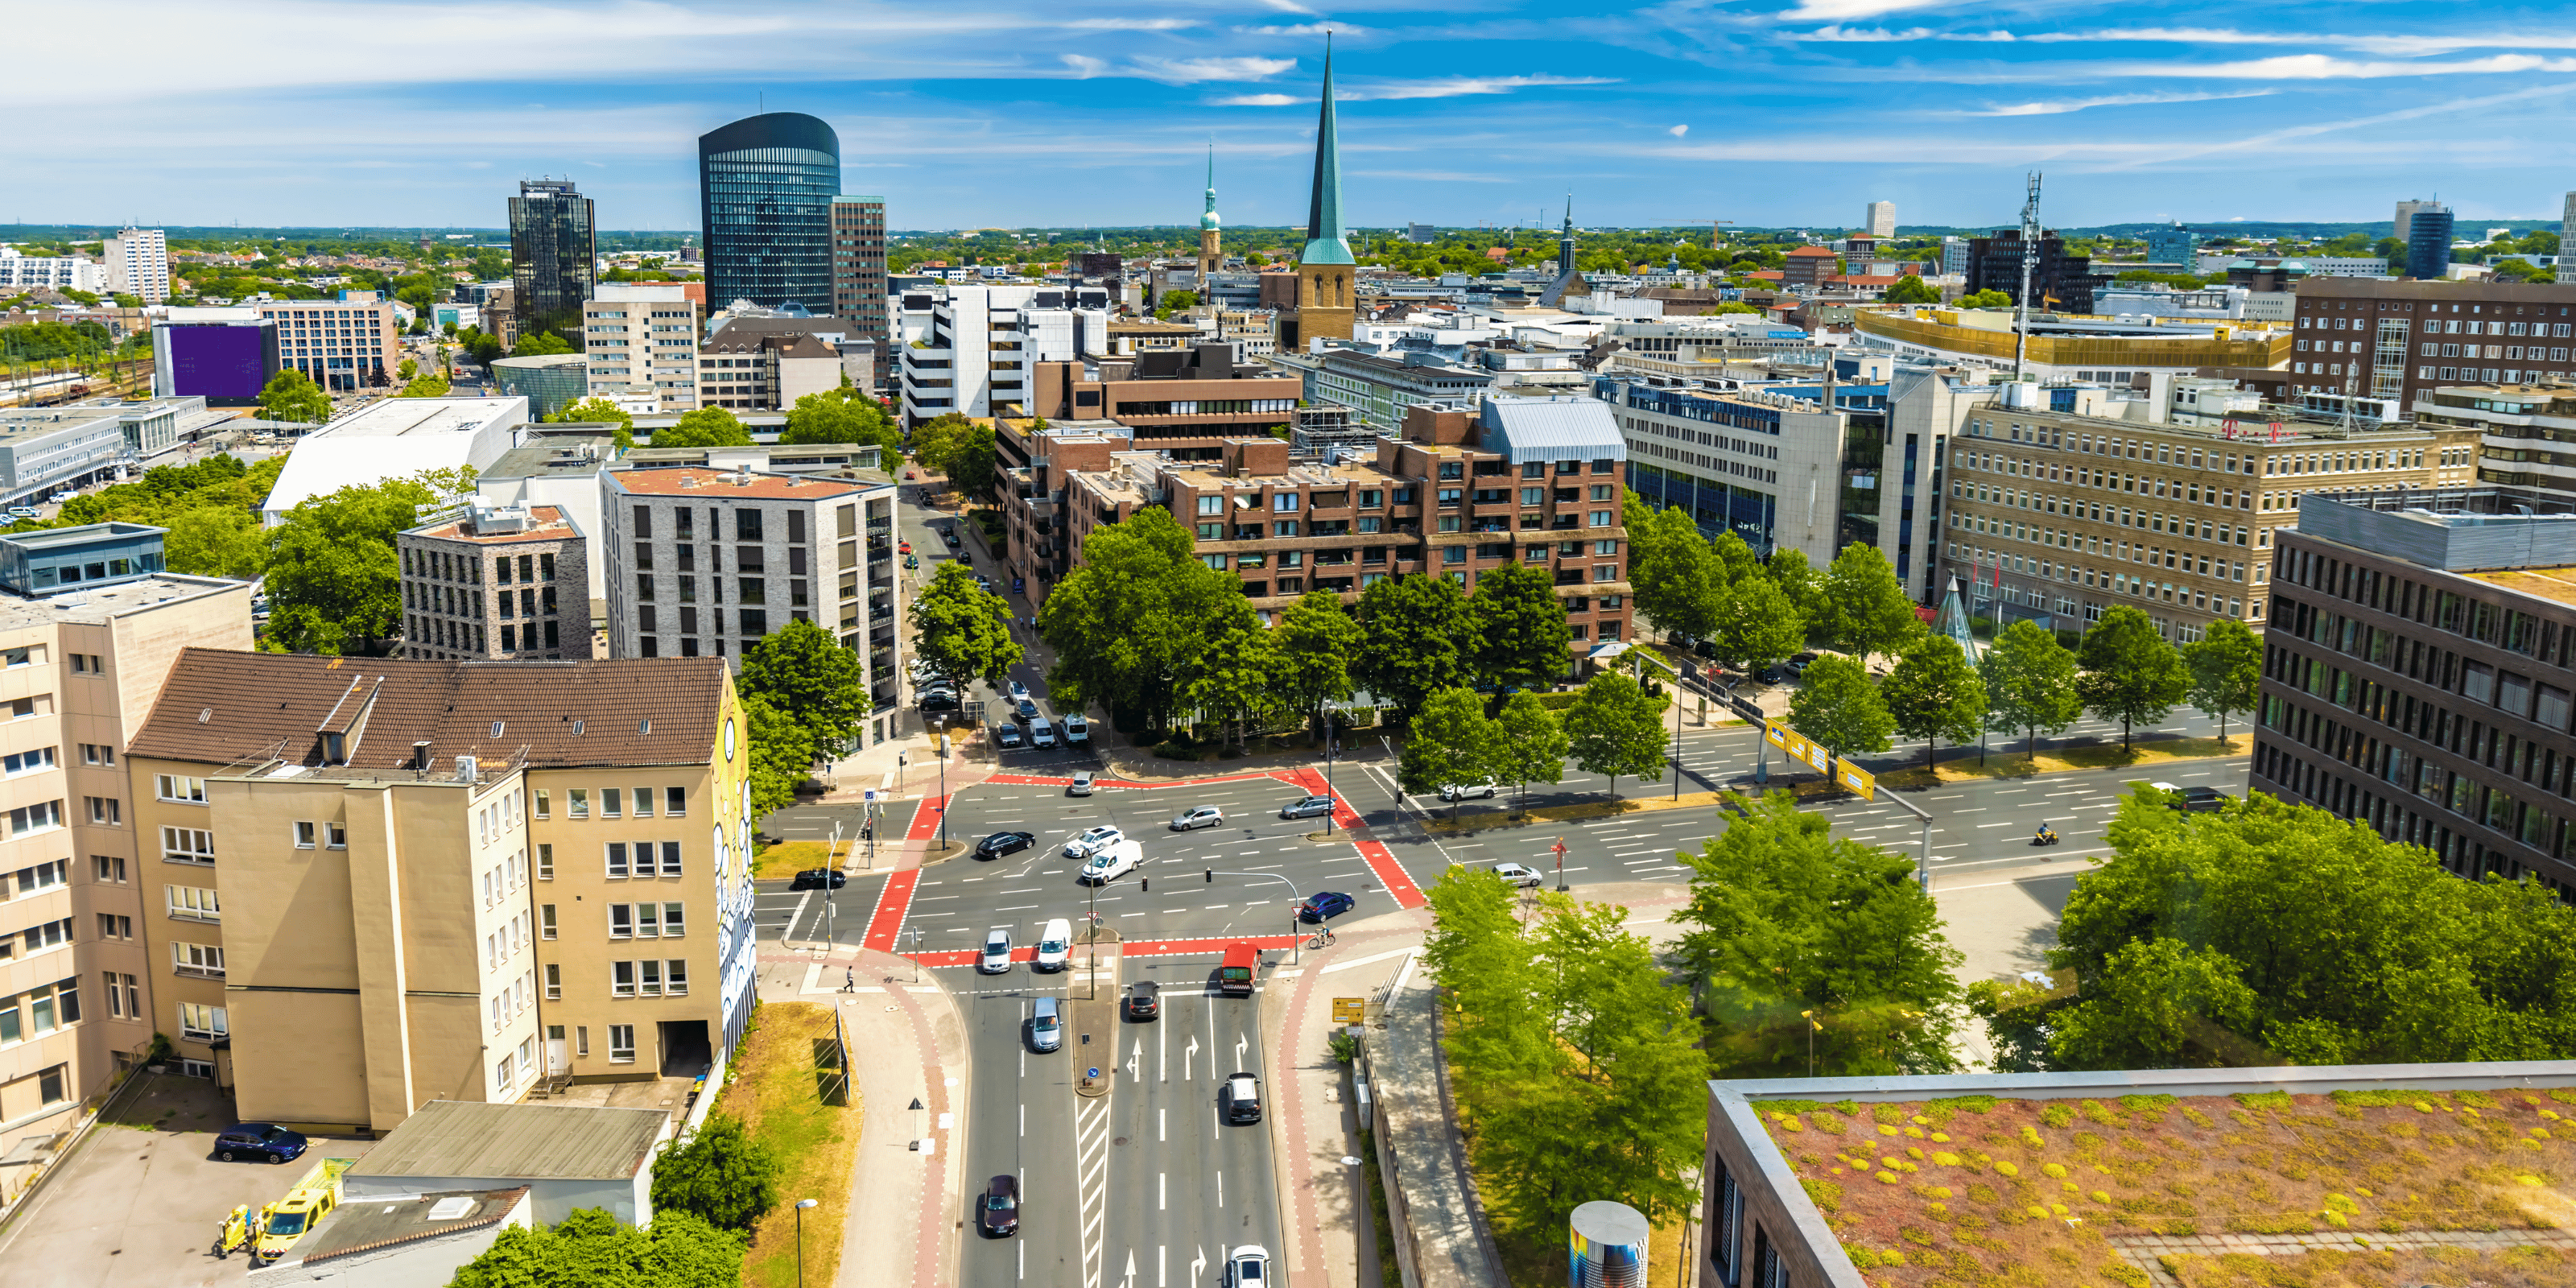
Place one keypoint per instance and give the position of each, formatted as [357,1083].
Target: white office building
[972,348]
[1882,219]
[642,338]
[49,272]
[395,438]
[138,264]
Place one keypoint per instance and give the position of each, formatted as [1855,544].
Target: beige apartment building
[78,673]
[2060,515]
[386,882]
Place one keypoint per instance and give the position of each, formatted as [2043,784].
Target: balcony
[1565,522]
[1569,577]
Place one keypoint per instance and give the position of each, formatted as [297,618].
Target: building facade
[1881,219]
[353,342]
[554,256]
[2417,678]
[1381,388]
[2057,280]
[2428,243]
[137,263]
[978,347]
[859,265]
[642,339]
[2393,339]
[50,272]
[385,884]
[765,190]
[549,381]
[2519,428]
[765,372]
[2175,245]
[496,584]
[78,996]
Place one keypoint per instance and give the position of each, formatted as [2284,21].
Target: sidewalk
[912,1046]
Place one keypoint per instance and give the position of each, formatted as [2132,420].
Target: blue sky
[972,113]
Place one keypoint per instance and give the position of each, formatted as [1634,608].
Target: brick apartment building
[2400,339]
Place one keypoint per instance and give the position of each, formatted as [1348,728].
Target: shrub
[2057,1113]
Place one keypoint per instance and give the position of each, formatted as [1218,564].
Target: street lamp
[801,1205]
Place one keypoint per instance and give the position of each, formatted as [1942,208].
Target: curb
[1098,1012]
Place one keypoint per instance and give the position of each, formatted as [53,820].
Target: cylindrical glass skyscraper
[765,189]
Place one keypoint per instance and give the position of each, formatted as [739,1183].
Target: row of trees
[1613,727]
[1753,613]
[831,416]
[803,698]
[960,449]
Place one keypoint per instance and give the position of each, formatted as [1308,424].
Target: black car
[1026,711]
[949,535]
[998,1212]
[820,879]
[1241,1096]
[939,700]
[1322,905]
[1144,1000]
[266,1142]
[1001,843]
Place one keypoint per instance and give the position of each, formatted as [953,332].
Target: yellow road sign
[1350,1010]
[1860,782]
[1796,746]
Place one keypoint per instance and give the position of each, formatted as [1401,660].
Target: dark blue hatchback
[1323,905]
[266,1142]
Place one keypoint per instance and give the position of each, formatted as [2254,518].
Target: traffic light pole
[1294,948]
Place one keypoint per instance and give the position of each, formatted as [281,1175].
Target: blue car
[1323,905]
[266,1142]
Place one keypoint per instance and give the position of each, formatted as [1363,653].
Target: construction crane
[1712,226]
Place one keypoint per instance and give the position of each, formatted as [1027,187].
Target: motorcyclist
[2046,835]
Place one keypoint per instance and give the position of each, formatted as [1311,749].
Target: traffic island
[1091,1010]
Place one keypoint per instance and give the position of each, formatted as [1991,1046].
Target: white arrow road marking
[1240,1042]
[1135,1057]
[1185,1057]
[1131,1268]
[1198,1263]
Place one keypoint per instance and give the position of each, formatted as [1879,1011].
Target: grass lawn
[787,858]
[776,1089]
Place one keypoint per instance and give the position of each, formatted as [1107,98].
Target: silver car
[1310,807]
[1203,816]
[997,952]
[1081,784]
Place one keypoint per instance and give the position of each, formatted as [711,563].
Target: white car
[1203,816]
[1249,1267]
[1517,876]
[1094,841]
[1112,863]
[1081,784]
[1468,791]
[1077,731]
[1017,690]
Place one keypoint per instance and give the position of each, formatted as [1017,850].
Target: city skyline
[1000,116]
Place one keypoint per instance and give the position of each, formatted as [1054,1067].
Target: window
[304,836]
[35,818]
[335,836]
[97,754]
[675,801]
[205,960]
[673,925]
[612,800]
[670,859]
[27,762]
[192,903]
[621,921]
[675,978]
[43,876]
[545,805]
[621,979]
[108,868]
[545,863]
[545,921]
[187,845]
[190,791]
[617,858]
[1601,518]
[124,996]
[643,802]
[577,803]
[114,926]
[651,983]
[554,982]
[202,1023]
[106,810]
[621,1043]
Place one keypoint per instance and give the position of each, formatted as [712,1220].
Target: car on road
[1081,784]
[25,512]
[1323,905]
[1112,863]
[820,879]
[1093,841]
[1144,1000]
[998,1212]
[949,535]
[939,700]
[1024,711]
[1203,816]
[1308,807]
[1241,1097]
[903,547]
[1476,791]
[1077,731]
[1055,945]
[1046,1025]
[1009,737]
[2193,800]
[1517,876]
[1001,843]
[996,958]
[1018,691]
[263,1142]
[1797,666]
[1041,733]
[1249,1267]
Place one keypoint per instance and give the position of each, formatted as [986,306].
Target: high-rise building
[554,256]
[138,264]
[1325,267]
[2567,240]
[2057,280]
[643,342]
[351,342]
[1954,256]
[1882,219]
[78,1000]
[2175,245]
[2428,244]
[765,190]
[2406,212]
[859,265]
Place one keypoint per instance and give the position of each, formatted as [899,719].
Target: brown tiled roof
[218,707]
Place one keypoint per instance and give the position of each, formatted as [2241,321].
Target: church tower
[1325,269]
[1211,250]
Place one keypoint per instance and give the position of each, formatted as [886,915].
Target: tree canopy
[1128,617]
[718,1173]
[841,415]
[1615,727]
[590,1249]
[292,395]
[1838,706]
[804,672]
[334,583]
[705,427]
[1414,628]
[1450,741]
[961,628]
[2131,671]
[1933,694]
[2226,670]
[2030,683]
[1519,626]
[1866,607]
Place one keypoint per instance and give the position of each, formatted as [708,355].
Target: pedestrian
[849,979]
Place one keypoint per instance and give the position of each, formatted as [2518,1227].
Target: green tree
[1519,626]
[1615,727]
[590,1249]
[2030,683]
[937,442]
[601,411]
[1412,627]
[1798,581]
[1933,694]
[2131,672]
[542,344]
[1310,654]
[705,427]
[1987,299]
[1130,615]
[800,669]
[1911,289]
[291,395]
[429,386]
[719,1174]
[1671,569]
[215,541]
[1449,742]
[1867,610]
[1225,674]
[333,581]
[782,755]
[976,466]
[837,416]
[1534,743]
[407,369]
[1735,559]
[962,629]
[2226,671]
[1176,302]
[1753,624]
[1837,706]
[1800,936]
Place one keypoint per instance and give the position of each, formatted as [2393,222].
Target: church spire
[1565,241]
[1208,220]
[1324,239]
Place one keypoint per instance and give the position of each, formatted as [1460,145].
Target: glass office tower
[765,190]
[2428,245]
[554,257]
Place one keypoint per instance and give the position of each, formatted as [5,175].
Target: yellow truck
[289,1218]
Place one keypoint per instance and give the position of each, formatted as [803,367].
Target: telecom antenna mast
[2029,262]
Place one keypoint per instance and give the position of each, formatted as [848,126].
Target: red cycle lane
[887,922]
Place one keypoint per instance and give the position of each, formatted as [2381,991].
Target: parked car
[939,700]
[1081,784]
[1077,731]
[820,879]
[1323,905]
[1041,733]
[1241,1098]
[2193,800]
[1017,691]
[1024,711]
[1308,807]
[25,512]
[996,959]
[1249,1267]
[1009,737]
[1144,1000]
[1001,843]
[1517,876]
[1193,819]
[949,535]
[1046,1025]
[1477,791]
[1094,841]
[265,1142]
[1112,863]
[998,1212]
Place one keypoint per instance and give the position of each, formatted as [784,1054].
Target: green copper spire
[1324,242]
[1208,220]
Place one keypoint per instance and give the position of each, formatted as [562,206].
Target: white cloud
[1836,10]
[1289,6]
[2060,106]
[1678,131]
[2324,67]
[2399,45]
[1462,86]
[1190,71]
[1262,100]
[1086,66]
[1305,29]
[1862,35]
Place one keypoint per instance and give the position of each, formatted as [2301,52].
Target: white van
[1055,945]
[1041,733]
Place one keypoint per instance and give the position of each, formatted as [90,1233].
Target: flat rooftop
[114,600]
[494,527]
[449,1138]
[698,480]
[555,456]
[419,417]
[373,1225]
